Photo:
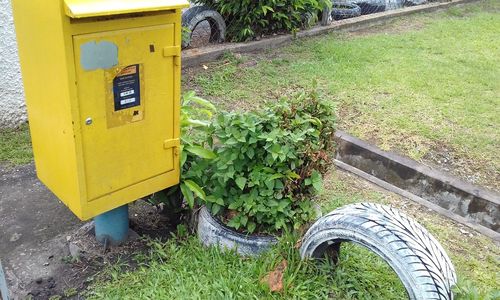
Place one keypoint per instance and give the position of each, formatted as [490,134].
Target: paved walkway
[32,224]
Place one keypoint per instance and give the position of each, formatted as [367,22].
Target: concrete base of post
[112,227]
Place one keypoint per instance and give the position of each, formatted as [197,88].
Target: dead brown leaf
[275,278]
[298,244]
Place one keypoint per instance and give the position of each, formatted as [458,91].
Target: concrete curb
[193,57]
[463,202]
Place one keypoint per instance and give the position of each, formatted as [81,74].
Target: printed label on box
[126,88]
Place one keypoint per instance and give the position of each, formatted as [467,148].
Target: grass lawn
[182,269]
[426,86]
[15,146]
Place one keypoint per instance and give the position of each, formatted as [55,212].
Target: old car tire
[212,232]
[193,16]
[413,253]
[371,7]
[414,2]
[345,10]
[326,16]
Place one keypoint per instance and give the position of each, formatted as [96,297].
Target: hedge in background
[248,19]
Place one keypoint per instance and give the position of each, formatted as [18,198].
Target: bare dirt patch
[77,259]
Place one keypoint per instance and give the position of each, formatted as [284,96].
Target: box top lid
[97,8]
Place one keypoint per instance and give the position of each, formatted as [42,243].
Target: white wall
[12,107]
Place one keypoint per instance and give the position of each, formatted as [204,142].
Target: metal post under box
[102,85]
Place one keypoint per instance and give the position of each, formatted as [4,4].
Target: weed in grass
[70,292]
[466,290]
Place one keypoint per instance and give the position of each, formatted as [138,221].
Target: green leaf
[273,203]
[234,222]
[188,195]
[270,184]
[276,176]
[195,188]
[196,123]
[244,220]
[219,201]
[183,158]
[159,197]
[215,209]
[251,226]
[250,153]
[317,181]
[203,102]
[234,205]
[201,152]
[241,182]
[292,175]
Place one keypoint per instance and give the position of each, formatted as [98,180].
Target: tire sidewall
[359,237]
[212,232]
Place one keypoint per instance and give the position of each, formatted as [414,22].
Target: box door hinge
[173,143]
[175,52]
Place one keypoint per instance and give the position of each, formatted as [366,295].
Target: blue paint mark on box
[98,55]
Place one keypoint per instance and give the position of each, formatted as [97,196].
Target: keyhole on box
[151,48]
[136,112]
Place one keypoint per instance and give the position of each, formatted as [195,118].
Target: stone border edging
[193,57]
[463,202]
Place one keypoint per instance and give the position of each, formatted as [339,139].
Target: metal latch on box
[175,52]
[174,143]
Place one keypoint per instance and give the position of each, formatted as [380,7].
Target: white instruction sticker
[127,93]
[127,101]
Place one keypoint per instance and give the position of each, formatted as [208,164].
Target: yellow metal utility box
[102,85]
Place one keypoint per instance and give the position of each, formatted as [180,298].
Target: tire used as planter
[343,10]
[413,253]
[193,16]
[212,232]
[371,7]
[326,16]
[414,2]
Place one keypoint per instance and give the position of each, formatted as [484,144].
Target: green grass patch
[423,83]
[15,146]
[186,270]
[183,269]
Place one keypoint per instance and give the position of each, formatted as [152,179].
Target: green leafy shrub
[247,19]
[269,164]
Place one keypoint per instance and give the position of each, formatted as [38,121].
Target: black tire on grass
[326,16]
[371,7]
[345,10]
[193,16]
[414,254]
[414,2]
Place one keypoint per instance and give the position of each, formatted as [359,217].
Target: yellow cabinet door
[125,87]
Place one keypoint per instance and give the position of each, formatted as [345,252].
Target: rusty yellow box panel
[102,85]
